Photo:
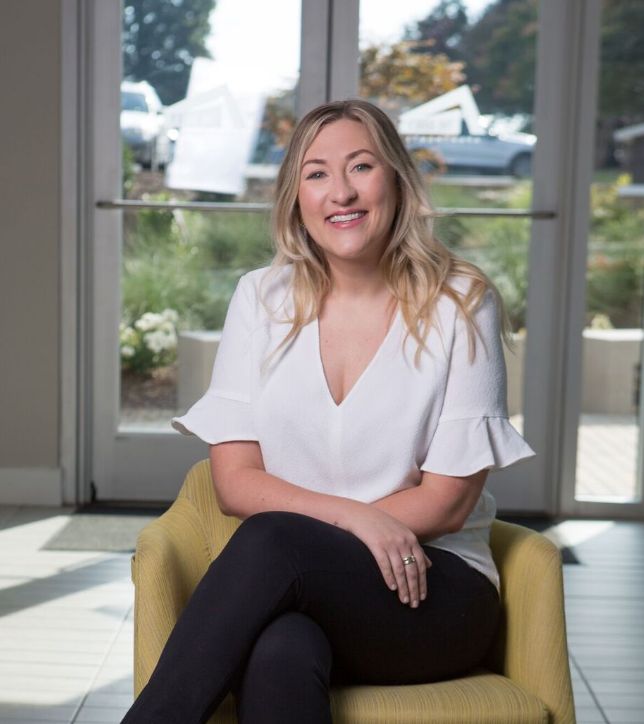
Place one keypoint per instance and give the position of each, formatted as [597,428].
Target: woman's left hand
[400,557]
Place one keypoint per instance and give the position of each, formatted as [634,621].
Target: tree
[500,55]
[161,38]
[621,87]
[396,77]
[442,29]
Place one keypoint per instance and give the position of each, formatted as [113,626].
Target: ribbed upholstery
[527,677]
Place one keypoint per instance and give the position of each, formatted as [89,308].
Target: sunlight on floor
[573,532]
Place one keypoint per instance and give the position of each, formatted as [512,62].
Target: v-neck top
[445,414]
[371,362]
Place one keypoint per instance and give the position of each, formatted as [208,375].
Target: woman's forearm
[255,491]
[439,505]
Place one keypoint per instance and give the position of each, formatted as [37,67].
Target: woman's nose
[342,191]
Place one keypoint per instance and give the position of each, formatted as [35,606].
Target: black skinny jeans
[293,604]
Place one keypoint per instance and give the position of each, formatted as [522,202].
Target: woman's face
[347,194]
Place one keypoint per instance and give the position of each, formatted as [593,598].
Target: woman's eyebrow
[350,156]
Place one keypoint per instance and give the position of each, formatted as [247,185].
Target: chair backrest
[198,489]
[531,646]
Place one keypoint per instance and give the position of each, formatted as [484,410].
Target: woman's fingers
[402,581]
[421,564]
[415,573]
[382,559]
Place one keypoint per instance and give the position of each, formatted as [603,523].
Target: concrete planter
[611,359]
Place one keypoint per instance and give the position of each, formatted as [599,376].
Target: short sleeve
[473,431]
[224,413]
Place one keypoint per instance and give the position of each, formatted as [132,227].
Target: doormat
[99,532]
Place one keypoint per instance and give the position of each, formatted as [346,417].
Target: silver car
[484,153]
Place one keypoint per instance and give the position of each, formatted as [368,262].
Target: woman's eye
[362,167]
[315,175]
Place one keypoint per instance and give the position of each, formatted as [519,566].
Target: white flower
[159,341]
[127,351]
[166,327]
[148,321]
[170,315]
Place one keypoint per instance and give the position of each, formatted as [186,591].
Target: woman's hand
[390,542]
[244,488]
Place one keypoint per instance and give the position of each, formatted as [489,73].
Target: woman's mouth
[346,219]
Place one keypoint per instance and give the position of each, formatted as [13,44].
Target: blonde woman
[356,406]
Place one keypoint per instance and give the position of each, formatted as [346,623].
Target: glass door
[609,470]
[181,170]
[458,78]
[207,105]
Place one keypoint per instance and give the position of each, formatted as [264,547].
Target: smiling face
[347,194]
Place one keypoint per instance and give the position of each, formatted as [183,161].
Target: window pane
[609,457]
[207,109]
[457,78]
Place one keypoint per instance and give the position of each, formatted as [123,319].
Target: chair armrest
[532,650]
[172,555]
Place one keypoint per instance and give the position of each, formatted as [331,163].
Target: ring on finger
[408,560]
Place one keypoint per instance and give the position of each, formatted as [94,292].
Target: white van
[143,126]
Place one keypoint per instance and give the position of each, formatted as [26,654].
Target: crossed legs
[291,601]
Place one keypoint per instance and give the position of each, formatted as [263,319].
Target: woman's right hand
[390,541]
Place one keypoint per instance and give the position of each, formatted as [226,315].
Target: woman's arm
[243,488]
[440,504]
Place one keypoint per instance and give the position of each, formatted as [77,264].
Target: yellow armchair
[526,677]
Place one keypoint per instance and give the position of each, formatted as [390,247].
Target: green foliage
[127,169]
[615,274]
[161,38]
[500,56]
[188,262]
[506,264]
[442,30]
[621,84]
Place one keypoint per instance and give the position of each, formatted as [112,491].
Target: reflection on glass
[457,76]
[208,106]
[609,456]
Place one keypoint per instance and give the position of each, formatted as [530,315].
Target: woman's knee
[287,675]
[292,646]
[275,529]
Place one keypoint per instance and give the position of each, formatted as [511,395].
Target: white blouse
[445,415]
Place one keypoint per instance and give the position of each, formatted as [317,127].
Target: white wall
[30,46]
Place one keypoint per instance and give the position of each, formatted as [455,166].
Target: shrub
[150,342]
[615,272]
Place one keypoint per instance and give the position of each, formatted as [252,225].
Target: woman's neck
[353,281]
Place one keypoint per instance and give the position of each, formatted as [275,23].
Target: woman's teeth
[346,217]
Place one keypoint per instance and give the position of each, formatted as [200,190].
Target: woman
[356,406]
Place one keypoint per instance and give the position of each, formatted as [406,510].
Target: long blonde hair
[415,264]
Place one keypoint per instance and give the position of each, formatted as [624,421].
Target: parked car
[482,153]
[143,126]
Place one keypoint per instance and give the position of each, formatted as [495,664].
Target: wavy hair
[416,266]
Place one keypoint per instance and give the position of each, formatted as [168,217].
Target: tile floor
[66,623]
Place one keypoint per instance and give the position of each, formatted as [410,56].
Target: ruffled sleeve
[473,431]
[224,413]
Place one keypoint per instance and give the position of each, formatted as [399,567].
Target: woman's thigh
[374,637]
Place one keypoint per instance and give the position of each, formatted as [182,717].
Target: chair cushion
[483,698]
